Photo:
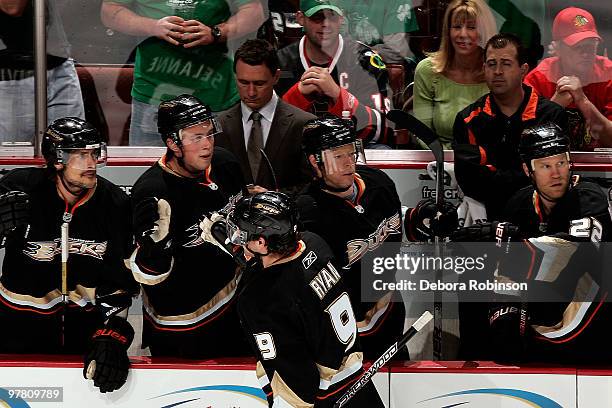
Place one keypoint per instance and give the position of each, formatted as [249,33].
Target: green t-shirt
[370,20]
[437,100]
[163,71]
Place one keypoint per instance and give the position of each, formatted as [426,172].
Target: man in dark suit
[263,121]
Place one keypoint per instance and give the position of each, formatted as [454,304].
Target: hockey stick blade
[384,359]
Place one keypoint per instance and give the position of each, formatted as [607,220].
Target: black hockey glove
[207,235]
[507,326]
[501,232]
[151,228]
[14,211]
[107,362]
[108,303]
[424,223]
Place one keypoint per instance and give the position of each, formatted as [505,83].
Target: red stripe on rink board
[476,367]
[50,361]
[595,372]
[440,367]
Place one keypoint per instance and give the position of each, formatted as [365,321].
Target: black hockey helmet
[270,215]
[71,133]
[328,132]
[542,141]
[182,112]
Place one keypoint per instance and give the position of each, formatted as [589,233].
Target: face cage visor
[87,158]
[342,159]
[205,130]
[235,234]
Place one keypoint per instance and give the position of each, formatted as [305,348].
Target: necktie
[255,143]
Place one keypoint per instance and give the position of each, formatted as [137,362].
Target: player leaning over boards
[305,337]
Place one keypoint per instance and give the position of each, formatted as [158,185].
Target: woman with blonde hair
[451,78]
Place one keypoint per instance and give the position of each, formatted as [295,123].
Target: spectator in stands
[578,79]
[263,121]
[487,161]
[384,25]
[17,71]
[487,132]
[451,78]
[325,72]
[184,52]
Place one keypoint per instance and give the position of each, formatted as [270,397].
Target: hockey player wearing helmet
[188,306]
[67,206]
[563,222]
[294,308]
[355,208]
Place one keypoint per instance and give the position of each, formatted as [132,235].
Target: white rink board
[595,391]
[154,388]
[431,390]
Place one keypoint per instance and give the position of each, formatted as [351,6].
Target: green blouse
[437,100]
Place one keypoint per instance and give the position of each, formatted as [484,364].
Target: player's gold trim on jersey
[208,310]
[81,295]
[282,391]
[575,312]
[145,278]
[373,315]
[350,365]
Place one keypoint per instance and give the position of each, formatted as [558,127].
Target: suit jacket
[283,147]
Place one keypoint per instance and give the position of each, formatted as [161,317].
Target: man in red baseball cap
[578,79]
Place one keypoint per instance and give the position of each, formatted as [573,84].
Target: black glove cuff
[116,329]
[155,256]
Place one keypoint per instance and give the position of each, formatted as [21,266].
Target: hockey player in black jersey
[562,221]
[64,287]
[294,308]
[355,209]
[189,284]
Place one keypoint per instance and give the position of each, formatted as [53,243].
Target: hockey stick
[384,359]
[404,120]
[67,217]
[269,163]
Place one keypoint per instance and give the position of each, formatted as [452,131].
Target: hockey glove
[107,362]
[151,220]
[206,227]
[507,326]
[151,227]
[500,232]
[14,211]
[111,304]
[425,222]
